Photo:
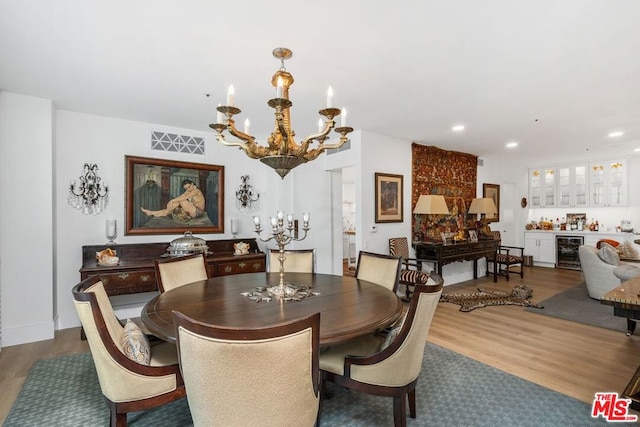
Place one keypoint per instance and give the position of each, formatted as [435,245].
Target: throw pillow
[392,333]
[609,254]
[135,344]
[630,250]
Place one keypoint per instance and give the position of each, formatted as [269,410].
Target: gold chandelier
[283,153]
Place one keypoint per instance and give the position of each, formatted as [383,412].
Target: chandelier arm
[246,147]
[321,136]
[339,144]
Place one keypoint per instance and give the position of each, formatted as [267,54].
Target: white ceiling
[555,75]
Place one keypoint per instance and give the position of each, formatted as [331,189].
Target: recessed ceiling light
[458,128]
[512,144]
[615,134]
[636,149]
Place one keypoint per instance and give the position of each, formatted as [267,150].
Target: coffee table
[625,300]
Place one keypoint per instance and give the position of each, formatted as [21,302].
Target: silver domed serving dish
[187,245]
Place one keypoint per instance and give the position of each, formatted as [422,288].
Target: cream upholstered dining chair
[178,271]
[388,366]
[411,273]
[381,269]
[297,261]
[251,377]
[133,376]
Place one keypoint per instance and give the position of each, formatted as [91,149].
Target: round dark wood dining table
[348,307]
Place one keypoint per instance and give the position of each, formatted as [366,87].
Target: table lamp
[431,204]
[482,206]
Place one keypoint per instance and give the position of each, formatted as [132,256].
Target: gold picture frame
[156,199]
[492,191]
[389,197]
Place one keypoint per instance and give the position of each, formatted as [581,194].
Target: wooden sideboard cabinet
[135,272]
[446,253]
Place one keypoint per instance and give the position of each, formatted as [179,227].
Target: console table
[135,272]
[446,253]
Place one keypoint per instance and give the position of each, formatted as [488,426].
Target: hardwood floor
[571,358]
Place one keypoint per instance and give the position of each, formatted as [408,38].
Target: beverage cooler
[567,252]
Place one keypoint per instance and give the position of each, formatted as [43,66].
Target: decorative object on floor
[283,236]
[171,197]
[388,197]
[282,153]
[90,197]
[73,398]
[483,298]
[246,198]
[574,304]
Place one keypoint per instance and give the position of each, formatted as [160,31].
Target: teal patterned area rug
[453,390]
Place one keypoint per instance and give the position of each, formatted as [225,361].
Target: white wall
[26,212]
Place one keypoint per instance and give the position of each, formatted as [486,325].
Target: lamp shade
[431,204]
[483,206]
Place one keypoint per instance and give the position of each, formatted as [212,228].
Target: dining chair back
[381,269]
[391,365]
[251,377]
[411,272]
[128,385]
[296,261]
[505,259]
[178,271]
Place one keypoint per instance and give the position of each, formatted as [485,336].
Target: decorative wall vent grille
[345,147]
[172,142]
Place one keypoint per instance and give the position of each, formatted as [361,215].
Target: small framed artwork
[170,197]
[388,197]
[473,236]
[492,191]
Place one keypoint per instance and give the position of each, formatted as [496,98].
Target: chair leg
[399,411]
[412,403]
[506,272]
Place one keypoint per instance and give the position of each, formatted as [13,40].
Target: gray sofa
[598,274]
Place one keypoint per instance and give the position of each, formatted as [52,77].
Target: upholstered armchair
[411,272]
[178,271]
[390,365]
[504,259]
[297,261]
[598,268]
[128,385]
[251,377]
[381,269]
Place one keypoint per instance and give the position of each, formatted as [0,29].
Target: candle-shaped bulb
[274,221]
[330,97]
[305,216]
[320,125]
[279,87]
[246,126]
[231,96]
[290,217]
[343,117]
[280,215]
[219,116]
[256,220]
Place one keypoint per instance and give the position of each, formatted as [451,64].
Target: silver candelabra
[283,236]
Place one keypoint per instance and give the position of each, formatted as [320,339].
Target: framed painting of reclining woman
[169,197]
